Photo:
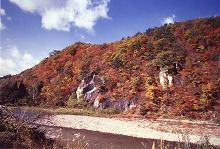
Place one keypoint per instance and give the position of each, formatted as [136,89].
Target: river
[96,139]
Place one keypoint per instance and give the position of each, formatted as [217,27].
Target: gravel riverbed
[168,130]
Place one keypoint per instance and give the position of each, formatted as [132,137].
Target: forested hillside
[130,68]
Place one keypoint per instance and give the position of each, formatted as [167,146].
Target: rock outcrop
[165,75]
[166,80]
[90,89]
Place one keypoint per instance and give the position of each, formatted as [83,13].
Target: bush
[118,58]
[73,102]
[17,133]
[167,58]
[110,111]
[136,83]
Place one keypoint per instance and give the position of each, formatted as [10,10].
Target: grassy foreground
[18,133]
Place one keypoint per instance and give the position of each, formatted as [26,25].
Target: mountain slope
[130,68]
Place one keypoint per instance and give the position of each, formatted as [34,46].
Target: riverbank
[169,130]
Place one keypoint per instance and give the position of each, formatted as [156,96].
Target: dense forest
[130,68]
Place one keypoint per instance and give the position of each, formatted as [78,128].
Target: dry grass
[89,111]
[17,132]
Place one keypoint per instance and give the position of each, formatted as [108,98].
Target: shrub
[209,95]
[166,58]
[136,83]
[152,92]
[16,132]
[110,111]
[118,58]
[73,102]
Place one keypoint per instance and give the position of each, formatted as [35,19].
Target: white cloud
[27,61]
[7,67]
[34,6]
[82,36]
[2,13]
[2,26]
[62,15]
[13,52]
[12,61]
[169,19]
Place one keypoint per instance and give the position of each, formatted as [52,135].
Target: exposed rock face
[166,80]
[89,89]
[124,105]
[92,90]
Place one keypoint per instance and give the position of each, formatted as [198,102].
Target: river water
[99,140]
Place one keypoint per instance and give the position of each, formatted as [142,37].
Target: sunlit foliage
[130,68]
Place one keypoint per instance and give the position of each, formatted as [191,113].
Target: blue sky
[30,29]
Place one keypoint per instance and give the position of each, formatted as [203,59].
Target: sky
[31,29]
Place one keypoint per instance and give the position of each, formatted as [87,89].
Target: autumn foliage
[130,68]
